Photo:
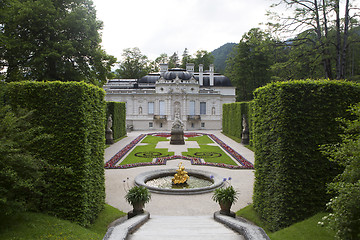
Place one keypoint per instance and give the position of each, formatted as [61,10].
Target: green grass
[304,230]
[153,140]
[204,139]
[147,149]
[204,149]
[30,225]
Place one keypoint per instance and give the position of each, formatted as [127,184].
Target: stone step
[183,227]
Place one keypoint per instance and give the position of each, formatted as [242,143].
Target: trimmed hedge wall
[291,119]
[118,112]
[232,118]
[74,114]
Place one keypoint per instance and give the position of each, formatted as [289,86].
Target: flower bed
[111,164]
[116,158]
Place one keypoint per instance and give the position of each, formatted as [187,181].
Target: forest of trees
[319,39]
[327,45]
[135,65]
[316,42]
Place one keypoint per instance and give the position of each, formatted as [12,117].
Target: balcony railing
[160,117]
[193,117]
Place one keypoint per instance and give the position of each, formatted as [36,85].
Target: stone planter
[138,207]
[225,207]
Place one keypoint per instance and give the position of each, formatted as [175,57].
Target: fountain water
[160,181]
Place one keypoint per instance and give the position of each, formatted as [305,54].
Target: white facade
[153,101]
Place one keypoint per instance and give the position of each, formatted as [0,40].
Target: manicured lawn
[147,152]
[210,154]
[30,225]
[204,139]
[153,139]
[304,230]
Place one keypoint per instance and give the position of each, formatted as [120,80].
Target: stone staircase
[184,227]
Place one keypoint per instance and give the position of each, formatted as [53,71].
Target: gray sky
[168,26]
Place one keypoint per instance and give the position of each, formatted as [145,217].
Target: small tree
[20,171]
[345,218]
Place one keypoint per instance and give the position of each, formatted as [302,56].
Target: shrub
[138,194]
[225,195]
[21,174]
[345,216]
[118,113]
[74,114]
[291,120]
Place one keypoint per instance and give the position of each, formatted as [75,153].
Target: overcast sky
[168,26]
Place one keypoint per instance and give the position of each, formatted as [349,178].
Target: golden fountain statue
[181,176]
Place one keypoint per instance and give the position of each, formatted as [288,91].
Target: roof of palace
[171,74]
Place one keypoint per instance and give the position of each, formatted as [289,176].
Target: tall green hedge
[232,118]
[118,113]
[74,114]
[291,119]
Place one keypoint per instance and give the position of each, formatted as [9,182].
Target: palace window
[192,108]
[162,107]
[150,107]
[202,108]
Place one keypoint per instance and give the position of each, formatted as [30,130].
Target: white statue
[177,124]
[109,123]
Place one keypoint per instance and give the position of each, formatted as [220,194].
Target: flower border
[111,164]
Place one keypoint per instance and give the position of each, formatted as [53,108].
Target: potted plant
[225,197]
[137,196]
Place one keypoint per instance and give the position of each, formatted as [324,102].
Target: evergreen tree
[21,171]
[186,58]
[134,64]
[248,66]
[173,61]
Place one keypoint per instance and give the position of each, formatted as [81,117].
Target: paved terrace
[178,205]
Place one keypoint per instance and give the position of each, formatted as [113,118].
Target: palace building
[153,101]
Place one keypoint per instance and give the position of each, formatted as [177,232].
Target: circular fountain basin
[152,180]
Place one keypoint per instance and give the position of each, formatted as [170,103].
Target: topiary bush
[73,114]
[291,119]
[118,113]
